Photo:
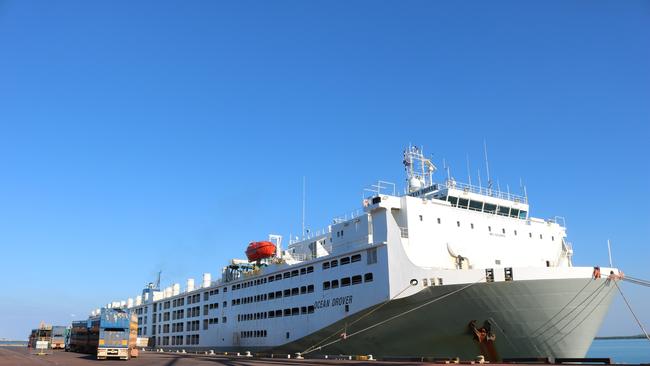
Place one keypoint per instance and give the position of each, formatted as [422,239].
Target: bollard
[299,356]
[288,356]
[480,359]
[182,351]
[238,354]
[455,360]
[370,358]
[248,354]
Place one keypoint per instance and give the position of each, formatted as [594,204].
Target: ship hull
[532,318]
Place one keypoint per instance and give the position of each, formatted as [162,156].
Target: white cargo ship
[444,270]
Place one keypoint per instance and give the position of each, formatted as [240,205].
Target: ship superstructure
[445,270]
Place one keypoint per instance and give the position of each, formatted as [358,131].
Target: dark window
[438,220]
[326,285]
[463,203]
[310,269]
[310,288]
[356,258]
[367,277]
[326,265]
[356,280]
[294,273]
[286,275]
[345,281]
[303,271]
[345,260]
[335,283]
[476,205]
[334,263]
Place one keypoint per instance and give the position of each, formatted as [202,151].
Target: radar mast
[419,170]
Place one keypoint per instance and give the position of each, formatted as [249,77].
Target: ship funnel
[176,289]
[190,284]
[207,279]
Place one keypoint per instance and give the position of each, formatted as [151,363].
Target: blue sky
[145,136]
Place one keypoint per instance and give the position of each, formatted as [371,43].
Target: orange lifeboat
[259,250]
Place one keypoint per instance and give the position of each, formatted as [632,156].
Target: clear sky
[143,136]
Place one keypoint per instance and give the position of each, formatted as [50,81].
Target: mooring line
[316,346]
[398,315]
[632,311]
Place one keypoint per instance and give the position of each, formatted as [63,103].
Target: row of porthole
[347,281]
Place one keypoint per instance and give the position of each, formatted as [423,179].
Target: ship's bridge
[481,199]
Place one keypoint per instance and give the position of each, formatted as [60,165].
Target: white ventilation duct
[207,279]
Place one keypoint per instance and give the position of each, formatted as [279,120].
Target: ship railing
[560,220]
[348,216]
[485,191]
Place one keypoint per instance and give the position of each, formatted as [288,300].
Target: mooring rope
[397,315]
[637,281]
[632,311]
[588,299]
[549,322]
[343,329]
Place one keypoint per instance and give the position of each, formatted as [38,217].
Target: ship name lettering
[344,300]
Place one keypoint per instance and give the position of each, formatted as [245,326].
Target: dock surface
[23,356]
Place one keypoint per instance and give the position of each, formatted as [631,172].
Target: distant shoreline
[638,336]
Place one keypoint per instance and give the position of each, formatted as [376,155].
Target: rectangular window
[463,203]
[356,280]
[345,281]
[367,277]
[326,285]
[345,260]
[334,263]
[504,211]
[335,283]
[356,258]
[310,269]
[476,205]
[489,208]
[310,288]
[326,265]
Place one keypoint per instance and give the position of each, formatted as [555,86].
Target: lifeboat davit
[259,250]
